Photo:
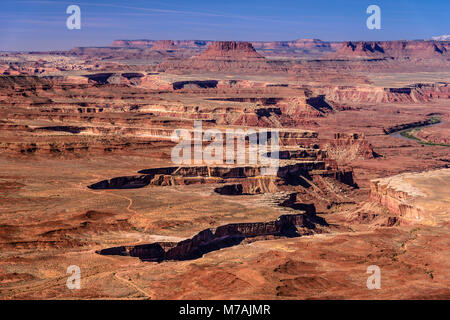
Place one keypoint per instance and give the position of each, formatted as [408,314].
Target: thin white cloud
[443,37]
[181,12]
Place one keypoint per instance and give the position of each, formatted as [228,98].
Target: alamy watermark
[234,146]
[74,20]
[74,280]
[374,280]
[374,20]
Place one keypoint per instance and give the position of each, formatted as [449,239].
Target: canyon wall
[415,93]
[295,48]
[415,197]
[395,200]
[394,49]
[221,237]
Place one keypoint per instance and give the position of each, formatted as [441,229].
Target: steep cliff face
[255,185]
[128,182]
[438,90]
[230,50]
[164,45]
[415,197]
[221,56]
[295,48]
[348,147]
[415,93]
[395,200]
[255,180]
[394,49]
[224,236]
[300,156]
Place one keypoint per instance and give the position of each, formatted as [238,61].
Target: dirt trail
[131,284]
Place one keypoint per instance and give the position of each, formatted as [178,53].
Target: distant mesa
[161,44]
[366,48]
[221,56]
[296,44]
[295,48]
[393,49]
[164,45]
[230,50]
[132,43]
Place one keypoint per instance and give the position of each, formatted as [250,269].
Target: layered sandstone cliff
[295,48]
[224,236]
[347,147]
[393,49]
[164,45]
[230,50]
[221,56]
[414,93]
[415,197]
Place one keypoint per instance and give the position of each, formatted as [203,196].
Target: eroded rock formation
[221,56]
[224,236]
[395,49]
[230,50]
[414,197]
[415,93]
[348,147]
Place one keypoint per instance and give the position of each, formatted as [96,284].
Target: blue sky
[41,24]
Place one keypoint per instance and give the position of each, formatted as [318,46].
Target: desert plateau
[88,177]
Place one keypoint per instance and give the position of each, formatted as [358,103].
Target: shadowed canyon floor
[86,176]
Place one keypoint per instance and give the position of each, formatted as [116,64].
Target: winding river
[400,133]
